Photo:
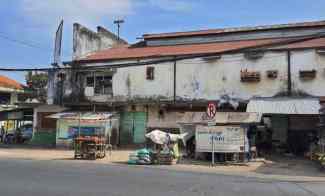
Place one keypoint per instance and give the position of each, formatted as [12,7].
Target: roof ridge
[236,29]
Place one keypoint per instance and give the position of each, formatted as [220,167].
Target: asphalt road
[43,178]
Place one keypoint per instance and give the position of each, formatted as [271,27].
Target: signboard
[57,45]
[226,139]
[211,110]
[15,115]
[84,131]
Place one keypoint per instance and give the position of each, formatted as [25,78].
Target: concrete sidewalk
[120,157]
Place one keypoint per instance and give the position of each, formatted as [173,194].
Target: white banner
[228,139]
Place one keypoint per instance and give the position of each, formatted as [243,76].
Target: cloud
[173,5]
[92,12]
[84,11]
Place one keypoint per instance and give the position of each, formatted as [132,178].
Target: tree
[37,82]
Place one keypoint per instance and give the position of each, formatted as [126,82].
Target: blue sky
[28,26]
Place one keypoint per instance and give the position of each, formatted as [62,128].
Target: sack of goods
[141,157]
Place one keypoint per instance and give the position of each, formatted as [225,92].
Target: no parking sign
[211,110]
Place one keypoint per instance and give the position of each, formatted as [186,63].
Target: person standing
[2,133]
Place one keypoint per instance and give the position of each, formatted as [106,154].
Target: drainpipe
[289,93]
[289,73]
[174,69]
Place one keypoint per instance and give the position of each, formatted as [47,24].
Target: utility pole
[118,23]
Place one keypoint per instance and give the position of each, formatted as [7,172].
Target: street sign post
[211,110]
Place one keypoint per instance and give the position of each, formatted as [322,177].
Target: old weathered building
[12,114]
[153,82]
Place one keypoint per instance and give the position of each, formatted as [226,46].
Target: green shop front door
[133,127]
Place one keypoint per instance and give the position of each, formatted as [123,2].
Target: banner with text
[226,139]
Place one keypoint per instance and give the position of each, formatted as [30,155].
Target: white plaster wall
[13,98]
[308,60]
[199,79]
[169,119]
[132,82]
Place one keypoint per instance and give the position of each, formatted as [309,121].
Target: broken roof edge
[235,29]
[105,31]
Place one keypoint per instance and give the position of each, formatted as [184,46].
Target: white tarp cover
[284,106]
[226,139]
[160,137]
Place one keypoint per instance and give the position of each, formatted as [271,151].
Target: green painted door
[133,127]
[126,132]
[140,121]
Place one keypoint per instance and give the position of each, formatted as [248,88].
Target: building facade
[154,82]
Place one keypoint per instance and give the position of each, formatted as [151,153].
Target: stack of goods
[141,157]
[166,157]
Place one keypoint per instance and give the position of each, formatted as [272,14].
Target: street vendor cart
[89,147]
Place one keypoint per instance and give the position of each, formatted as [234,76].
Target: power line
[27,43]
[22,42]
[121,65]
[159,61]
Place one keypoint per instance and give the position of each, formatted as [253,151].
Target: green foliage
[38,83]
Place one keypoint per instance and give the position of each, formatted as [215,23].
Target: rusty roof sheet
[127,52]
[311,43]
[10,83]
[234,30]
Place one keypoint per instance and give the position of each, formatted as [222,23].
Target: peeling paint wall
[308,60]
[131,82]
[86,41]
[199,79]
[164,119]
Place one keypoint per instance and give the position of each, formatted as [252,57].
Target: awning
[284,106]
[221,118]
[82,116]
[237,117]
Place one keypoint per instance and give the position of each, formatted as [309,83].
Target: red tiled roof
[233,30]
[126,52]
[9,83]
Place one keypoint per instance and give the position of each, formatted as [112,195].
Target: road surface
[69,177]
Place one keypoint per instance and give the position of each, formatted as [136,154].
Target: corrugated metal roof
[284,106]
[126,52]
[233,30]
[312,43]
[10,83]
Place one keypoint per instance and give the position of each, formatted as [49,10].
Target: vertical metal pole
[118,31]
[212,150]
[289,73]
[79,124]
[244,144]
[174,81]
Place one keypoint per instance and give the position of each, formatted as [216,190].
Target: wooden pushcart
[89,147]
